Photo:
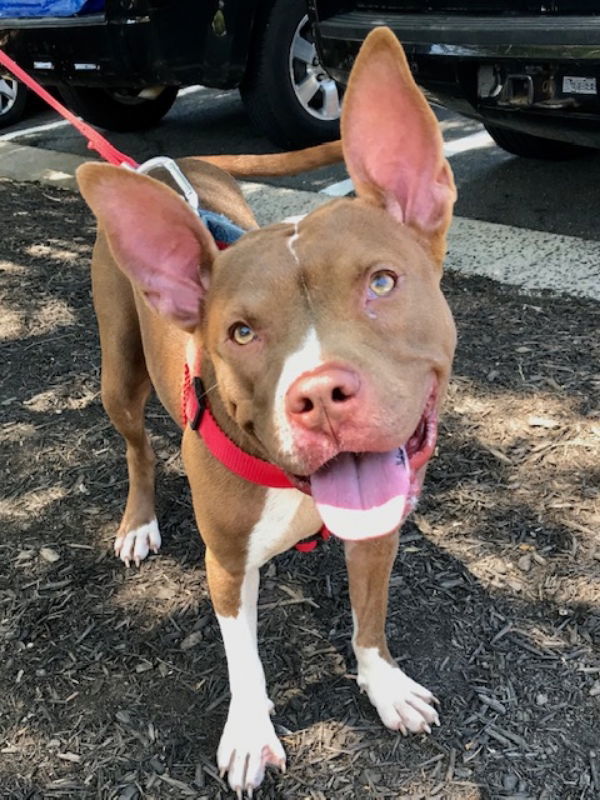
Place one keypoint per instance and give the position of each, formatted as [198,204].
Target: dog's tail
[274,164]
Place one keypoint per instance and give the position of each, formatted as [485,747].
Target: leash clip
[163,162]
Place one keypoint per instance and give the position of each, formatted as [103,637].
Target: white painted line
[8,137]
[474,141]
[339,189]
[50,126]
[190,90]
[526,258]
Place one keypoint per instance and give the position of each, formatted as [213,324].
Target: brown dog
[325,350]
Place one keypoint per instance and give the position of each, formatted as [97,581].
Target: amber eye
[242,333]
[382,283]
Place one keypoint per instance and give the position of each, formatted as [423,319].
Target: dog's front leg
[249,742]
[402,703]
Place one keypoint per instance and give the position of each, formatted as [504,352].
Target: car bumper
[462,36]
[446,53]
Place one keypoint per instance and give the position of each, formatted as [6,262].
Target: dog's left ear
[155,238]
[392,143]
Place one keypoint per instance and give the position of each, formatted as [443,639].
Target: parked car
[13,99]
[119,63]
[528,69]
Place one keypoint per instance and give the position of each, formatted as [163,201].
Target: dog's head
[330,338]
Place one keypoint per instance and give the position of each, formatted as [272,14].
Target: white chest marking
[306,358]
[273,533]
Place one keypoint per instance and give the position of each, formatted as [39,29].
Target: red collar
[200,419]
[196,413]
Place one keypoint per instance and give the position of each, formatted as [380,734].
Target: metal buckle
[163,162]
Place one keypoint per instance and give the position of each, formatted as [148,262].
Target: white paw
[403,704]
[248,745]
[135,545]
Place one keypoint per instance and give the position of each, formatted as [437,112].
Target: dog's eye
[382,282]
[242,333]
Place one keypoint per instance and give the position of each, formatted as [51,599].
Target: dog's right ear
[155,238]
[392,143]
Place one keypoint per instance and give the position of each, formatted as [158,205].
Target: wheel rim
[317,93]
[8,94]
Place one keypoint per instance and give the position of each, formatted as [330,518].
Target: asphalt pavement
[522,221]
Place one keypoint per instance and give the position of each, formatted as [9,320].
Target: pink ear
[154,236]
[392,144]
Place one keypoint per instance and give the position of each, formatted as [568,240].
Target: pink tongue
[360,496]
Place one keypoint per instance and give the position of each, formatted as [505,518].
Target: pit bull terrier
[324,347]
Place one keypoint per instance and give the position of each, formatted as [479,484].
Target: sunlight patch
[30,504]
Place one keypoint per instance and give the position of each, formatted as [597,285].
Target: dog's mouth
[369,494]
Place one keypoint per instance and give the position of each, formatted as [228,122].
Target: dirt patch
[495,598]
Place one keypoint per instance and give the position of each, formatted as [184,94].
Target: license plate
[572,85]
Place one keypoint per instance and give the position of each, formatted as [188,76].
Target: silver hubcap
[317,93]
[8,94]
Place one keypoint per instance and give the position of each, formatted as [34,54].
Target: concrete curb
[531,260]
[21,163]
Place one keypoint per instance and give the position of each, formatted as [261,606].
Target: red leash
[194,409]
[95,140]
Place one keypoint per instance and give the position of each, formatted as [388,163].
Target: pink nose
[322,398]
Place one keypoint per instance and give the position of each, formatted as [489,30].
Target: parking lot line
[473,141]
[8,137]
[339,189]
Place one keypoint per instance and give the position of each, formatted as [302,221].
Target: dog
[319,351]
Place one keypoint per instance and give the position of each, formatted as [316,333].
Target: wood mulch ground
[113,681]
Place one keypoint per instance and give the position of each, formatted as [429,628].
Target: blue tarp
[48,8]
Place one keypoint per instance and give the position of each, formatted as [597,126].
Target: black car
[119,63]
[528,69]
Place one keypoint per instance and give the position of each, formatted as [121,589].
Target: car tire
[13,99]
[119,110]
[288,95]
[528,146]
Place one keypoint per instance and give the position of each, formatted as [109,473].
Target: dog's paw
[248,745]
[403,704]
[136,544]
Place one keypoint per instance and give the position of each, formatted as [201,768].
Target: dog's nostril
[338,395]
[307,405]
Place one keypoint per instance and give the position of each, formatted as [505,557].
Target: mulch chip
[113,682]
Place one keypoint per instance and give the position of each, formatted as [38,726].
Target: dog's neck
[199,364]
